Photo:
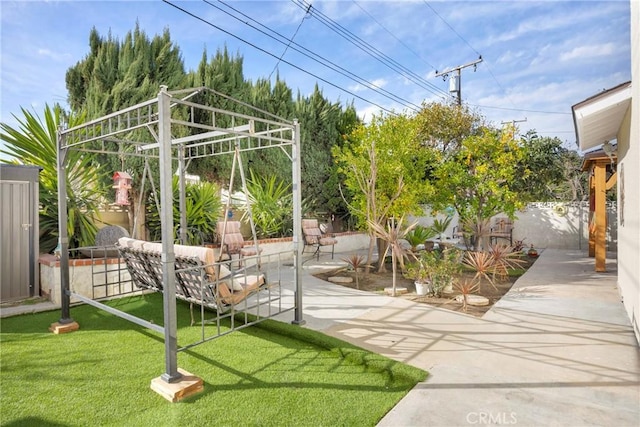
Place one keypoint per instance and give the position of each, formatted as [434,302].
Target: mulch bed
[376,282]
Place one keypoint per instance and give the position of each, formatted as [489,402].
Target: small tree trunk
[393,269]
[372,241]
[382,247]
[136,211]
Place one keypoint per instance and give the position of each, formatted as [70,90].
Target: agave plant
[34,142]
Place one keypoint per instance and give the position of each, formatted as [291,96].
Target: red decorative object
[122,184]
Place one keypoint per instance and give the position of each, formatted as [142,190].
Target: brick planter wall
[85,274]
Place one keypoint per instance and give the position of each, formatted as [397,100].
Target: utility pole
[454,81]
[513,122]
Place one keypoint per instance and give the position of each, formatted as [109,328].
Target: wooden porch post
[600,178]
[592,210]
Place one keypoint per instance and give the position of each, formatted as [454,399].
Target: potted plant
[420,278]
[449,265]
[433,272]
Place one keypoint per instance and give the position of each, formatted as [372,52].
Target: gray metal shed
[19,232]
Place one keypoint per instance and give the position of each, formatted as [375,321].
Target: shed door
[15,222]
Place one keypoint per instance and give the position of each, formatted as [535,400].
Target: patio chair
[232,242]
[314,237]
[501,229]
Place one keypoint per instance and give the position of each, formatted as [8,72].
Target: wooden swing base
[188,385]
[63,328]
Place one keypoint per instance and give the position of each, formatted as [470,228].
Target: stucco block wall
[549,225]
[561,226]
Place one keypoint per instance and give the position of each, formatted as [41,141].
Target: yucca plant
[466,287]
[504,258]
[483,265]
[34,142]
[203,208]
[439,227]
[271,205]
[356,263]
[476,230]
[393,233]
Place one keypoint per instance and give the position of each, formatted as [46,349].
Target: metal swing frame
[153,124]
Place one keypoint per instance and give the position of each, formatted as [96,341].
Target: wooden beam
[600,178]
[613,179]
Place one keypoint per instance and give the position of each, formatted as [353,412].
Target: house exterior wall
[628,185]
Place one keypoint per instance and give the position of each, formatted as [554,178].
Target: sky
[538,58]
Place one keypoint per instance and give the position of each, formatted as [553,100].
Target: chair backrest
[233,240]
[311,231]
[503,225]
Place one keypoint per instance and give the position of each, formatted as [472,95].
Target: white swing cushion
[206,255]
[247,282]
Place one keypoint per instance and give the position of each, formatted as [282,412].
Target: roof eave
[598,118]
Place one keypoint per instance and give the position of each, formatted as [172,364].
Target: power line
[290,41]
[274,56]
[393,35]
[473,49]
[450,27]
[371,50]
[314,56]
[520,109]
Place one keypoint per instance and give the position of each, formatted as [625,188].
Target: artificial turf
[272,374]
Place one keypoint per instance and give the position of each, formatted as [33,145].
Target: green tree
[540,171]
[319,133]
[383,164]
[575,184]
[35,142]
[115,75]
[445,126]
[479,179]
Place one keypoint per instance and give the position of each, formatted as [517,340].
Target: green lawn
[274,374]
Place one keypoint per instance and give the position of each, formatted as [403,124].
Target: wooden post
[592,210]
[600,178]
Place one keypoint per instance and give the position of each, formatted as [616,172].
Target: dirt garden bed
[377,282]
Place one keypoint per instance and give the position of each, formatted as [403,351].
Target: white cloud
[56,56]
[375,84]
[589,51]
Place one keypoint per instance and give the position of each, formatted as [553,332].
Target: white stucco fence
[549,225]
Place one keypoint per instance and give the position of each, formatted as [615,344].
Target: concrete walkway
[557,350]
